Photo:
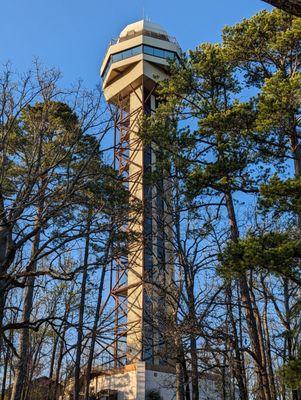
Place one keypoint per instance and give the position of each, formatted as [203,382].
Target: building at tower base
[141,381]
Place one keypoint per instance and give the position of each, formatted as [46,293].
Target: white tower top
[142,52]
[140,26]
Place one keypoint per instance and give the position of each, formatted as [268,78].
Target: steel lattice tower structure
[131,69]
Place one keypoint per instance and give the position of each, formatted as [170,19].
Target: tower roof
[141,25]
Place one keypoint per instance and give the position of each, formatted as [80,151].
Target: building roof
[140,26]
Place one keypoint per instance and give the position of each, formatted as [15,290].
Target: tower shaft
[146,253]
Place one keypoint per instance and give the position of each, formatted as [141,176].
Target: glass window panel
[169,54]
[148,225]
[147,156]
[148,50]
[107,67]
[117,57]
[126,54]
[148,262]
[137,50]
[159,53]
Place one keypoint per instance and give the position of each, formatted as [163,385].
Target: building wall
[161,381]
[125,383]
[165,383]
[135,384]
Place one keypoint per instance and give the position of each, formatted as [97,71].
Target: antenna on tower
[145,17]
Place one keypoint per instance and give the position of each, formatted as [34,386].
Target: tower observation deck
[131,70]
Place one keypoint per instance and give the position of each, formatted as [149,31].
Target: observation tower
[131,70]
[141,351]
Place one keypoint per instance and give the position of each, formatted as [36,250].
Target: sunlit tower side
[130,71]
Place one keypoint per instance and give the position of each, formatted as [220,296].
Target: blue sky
[72,35]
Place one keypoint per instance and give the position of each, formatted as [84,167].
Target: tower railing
[144,32]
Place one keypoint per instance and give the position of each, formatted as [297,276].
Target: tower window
[159,53]
[150,50]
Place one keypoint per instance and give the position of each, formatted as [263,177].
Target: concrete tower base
[137,381]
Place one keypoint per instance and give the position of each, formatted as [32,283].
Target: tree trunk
[254,330]
[239,369]
[180,393]
[288,336]
[194,368]
[185,373]
[296,151]
[6,362]
[52,362]
[262,343]
[35,358]
[59,361]
[24,339]
[77,388]
[5,245]
[189,279]
[268,347]
[94,329]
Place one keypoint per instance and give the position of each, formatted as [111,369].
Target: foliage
[290,373]
[281,195]
[267,42]
[272,252]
